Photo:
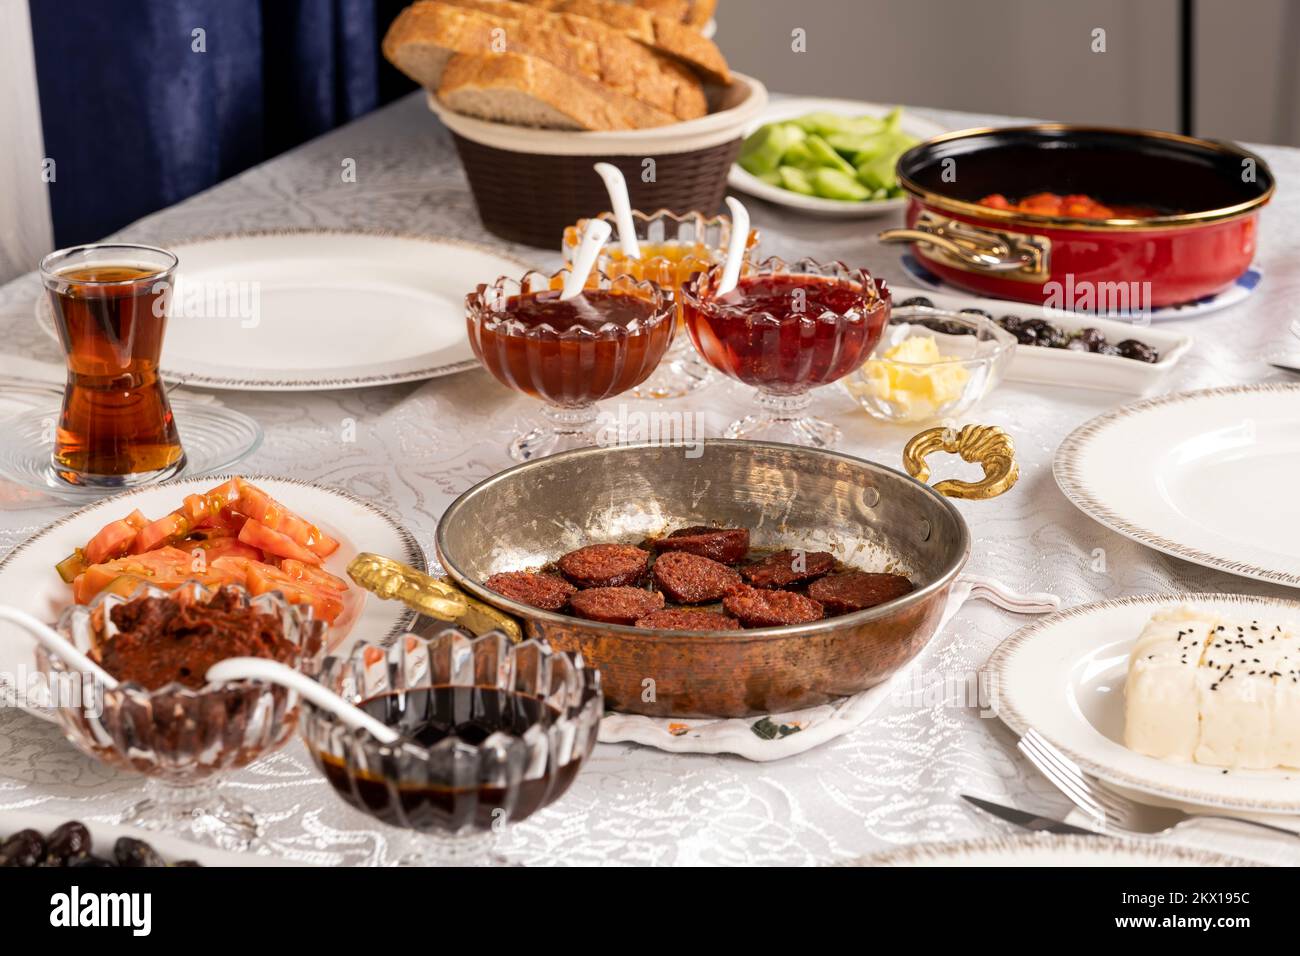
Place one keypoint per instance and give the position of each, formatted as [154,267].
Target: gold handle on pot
[963,246]
[985,445]
[433,597]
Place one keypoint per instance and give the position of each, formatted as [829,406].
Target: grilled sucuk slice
[687,578]
[726,545]
[605,565]
[788,567]
[687,619]
[857,590]
[548,592]
[759,608]
[619,605]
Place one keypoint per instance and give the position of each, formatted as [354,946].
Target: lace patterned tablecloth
[895,780]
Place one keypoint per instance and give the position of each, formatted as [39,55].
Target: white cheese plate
[1064,677]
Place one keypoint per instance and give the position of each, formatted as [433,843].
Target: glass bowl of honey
[571,353]
[492,732]
[786,328]
[672,249]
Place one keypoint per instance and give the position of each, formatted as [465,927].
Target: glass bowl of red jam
[673,248]
[492,732]
[164,720]
[786,328]
[569,354]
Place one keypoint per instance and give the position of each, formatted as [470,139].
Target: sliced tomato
[226,521]
[311,575]
[166,568]
[257,504]
[258,535]
[194,510]
[221,546]
[262,578]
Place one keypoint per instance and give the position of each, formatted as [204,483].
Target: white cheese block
[1161,716]
[1225,693]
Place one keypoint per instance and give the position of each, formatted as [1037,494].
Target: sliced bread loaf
[528,91]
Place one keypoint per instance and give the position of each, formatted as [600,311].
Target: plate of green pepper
[828,157]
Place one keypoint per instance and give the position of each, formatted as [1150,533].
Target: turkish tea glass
[110,303]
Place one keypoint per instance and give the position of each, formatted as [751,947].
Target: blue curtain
[145,102]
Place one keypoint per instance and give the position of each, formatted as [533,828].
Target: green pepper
[796,180]
[71,566]
[764,148]
[825,155]
[835,184]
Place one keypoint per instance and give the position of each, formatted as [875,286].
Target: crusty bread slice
[670,37]
[528,91]
[622,63]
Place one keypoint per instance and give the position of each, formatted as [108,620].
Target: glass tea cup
[607,340]
[673,248]
[786,328]
[110,303]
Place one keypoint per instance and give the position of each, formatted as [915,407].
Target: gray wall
[1033,58]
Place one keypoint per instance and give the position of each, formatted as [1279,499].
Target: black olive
[25,848]
[135,853]
[987,315]
[916,302]
[89,862]
[1092,338]
[1010,322]
[1140,351]
[1053,337]
[1025,335]
[1077,345]
[187,863]
[70,840]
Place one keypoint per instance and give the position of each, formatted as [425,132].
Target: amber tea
[110,308]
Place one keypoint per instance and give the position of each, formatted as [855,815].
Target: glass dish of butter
[931,364]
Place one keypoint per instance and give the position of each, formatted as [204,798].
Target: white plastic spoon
[593,240]
[273,672]
[621,205]
[736,247]
[57,644]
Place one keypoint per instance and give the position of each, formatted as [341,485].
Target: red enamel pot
[1203,197]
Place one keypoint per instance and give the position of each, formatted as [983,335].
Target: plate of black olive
[1063,348]
[29,840]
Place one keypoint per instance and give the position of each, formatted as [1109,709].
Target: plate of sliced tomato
[264,534]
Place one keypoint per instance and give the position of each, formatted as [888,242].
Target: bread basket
[530,183]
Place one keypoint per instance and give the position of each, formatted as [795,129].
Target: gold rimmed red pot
[1206,197]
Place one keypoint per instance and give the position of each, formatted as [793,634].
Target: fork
[1107,807]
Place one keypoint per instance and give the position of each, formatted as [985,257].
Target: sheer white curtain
[25,231]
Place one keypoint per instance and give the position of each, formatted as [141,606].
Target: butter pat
[925,381]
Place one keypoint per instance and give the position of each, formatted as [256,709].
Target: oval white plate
[1047,850]
[1206,476]
[104,835]
[786,109]
[28,580]
[298,310]
[1044,366]
[1064,677]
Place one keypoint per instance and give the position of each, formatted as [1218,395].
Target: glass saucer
[214,437]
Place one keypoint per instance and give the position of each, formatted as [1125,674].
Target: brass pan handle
[992,258]
[433,597]
[1010,254]
[985,445]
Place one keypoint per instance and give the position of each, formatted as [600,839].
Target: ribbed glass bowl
[183,740]
[466,787]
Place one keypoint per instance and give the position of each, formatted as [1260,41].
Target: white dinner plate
[1064,676]
[1206,476]
[298,310]
[787,109]
[1047,849]
[1044,366]
[29,582]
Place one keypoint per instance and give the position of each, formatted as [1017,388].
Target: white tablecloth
[895,780]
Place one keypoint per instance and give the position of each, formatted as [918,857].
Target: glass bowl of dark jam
[786,328]
[164,720]
[569,354]
[492,732]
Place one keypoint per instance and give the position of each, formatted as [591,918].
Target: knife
[1023,818]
